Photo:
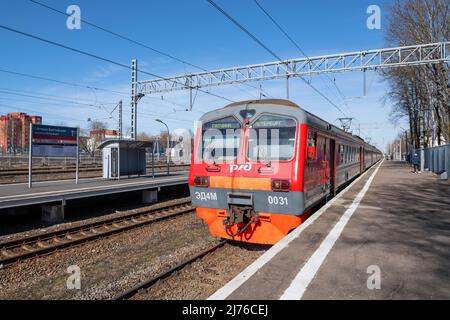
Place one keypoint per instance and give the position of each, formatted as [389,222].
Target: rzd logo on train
[242,167]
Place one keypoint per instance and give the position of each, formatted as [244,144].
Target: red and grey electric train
[258,167]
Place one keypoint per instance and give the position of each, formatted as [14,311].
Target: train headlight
[201,181]
[281,185]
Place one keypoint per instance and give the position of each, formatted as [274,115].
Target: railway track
[38,245]
[151,281]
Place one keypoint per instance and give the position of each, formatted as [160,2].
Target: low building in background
[15,131]
[96,137]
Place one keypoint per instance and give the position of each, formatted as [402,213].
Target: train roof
[288,108]
[275,102]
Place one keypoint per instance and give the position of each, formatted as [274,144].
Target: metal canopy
[353,61]
[129,144]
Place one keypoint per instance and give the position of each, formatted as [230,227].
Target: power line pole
[287,87]
[120,120]
[134,99]
[422,140]
[364,83]
[287,82]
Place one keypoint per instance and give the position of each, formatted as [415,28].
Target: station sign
[54,141]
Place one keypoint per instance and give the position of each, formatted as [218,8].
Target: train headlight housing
[201,182]
[281,185]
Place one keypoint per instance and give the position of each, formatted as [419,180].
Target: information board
[54,141]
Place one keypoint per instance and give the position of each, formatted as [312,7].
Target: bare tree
[142,136]
[95,125]
[95,135]
[420,94]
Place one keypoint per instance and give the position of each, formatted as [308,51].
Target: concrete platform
[15,195]
[387,236]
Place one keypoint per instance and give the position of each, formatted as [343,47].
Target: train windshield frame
[221,140]
[272,138]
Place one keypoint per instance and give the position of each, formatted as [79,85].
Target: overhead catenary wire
[32,76]
[49,115]
[300,50]
[10,92]
[252,36]
[118,35]
[27,75]
[138,43]
[66,99]
[26,34]
[52,96]
[74,103]
[46,103]
[240,26]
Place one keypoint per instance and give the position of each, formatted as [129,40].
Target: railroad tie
[41,244]
[26,248]
[6,253]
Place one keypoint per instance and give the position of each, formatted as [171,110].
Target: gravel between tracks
[202,278]
[108,266]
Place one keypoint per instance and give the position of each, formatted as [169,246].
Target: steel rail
[38,245]
[151,281]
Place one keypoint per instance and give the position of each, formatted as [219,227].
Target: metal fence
[437,160]
[20,161]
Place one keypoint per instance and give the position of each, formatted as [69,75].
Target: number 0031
[282,201]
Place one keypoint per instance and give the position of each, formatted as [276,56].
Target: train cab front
[244,178]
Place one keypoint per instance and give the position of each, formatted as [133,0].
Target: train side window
[341,154]
[345,154]
[349,154]
[312,145]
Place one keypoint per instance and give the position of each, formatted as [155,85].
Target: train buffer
[386,236]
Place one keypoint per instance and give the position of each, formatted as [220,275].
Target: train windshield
[272,138]
[220,140]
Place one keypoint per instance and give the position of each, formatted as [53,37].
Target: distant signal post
[52,141]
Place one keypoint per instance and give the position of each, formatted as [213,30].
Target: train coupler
[240,215]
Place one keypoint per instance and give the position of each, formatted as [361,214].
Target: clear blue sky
[193,31]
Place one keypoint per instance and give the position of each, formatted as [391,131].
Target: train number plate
[276,200]
[206,196]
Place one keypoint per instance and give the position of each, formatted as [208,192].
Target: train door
[114,162]
[332,165]
[361,159]
[325,164]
